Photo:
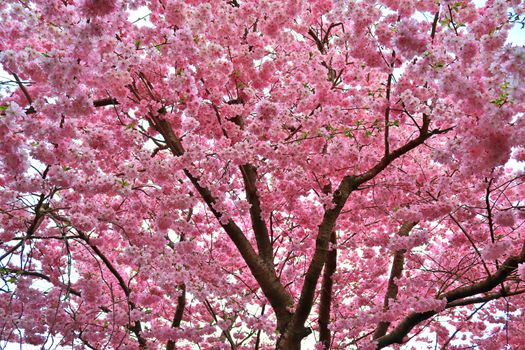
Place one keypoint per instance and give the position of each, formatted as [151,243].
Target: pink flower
[495,250]
[504,218]
[14,111]
[410,40]
[266,110]
[98,7]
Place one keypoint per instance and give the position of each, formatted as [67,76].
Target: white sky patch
[140,17]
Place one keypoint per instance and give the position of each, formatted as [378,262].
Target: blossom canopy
[261,174]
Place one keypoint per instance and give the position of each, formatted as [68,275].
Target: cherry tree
[262,174]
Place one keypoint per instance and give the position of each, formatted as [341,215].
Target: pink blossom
[504,218]
[98,7]
[206,173]
[496,250]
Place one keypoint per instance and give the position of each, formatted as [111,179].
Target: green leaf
[3,107]
[137,43]
[457,5]
[123,183]
[502,98]
[330,128]
[445,22]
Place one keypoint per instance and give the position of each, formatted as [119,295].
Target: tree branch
[395,273]
[348,185]
[108,101]
[249,175]
[434,26]
[424,135]
[272,288]
[177,318]
[40,208]
[264,246]
[485,298]
[136,327]
[471,243]
[326,294]
[181,300]
[23,88]
[454,298]
[226,332]
[40,275]
[296,329]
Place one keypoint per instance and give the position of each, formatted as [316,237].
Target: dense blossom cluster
[252,174]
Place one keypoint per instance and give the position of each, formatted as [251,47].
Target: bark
[264,246]
[395,272]
[177,318]
[326,294]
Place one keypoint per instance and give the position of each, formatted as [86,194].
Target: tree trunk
[291,339]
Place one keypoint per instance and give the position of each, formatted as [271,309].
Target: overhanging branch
[458,297]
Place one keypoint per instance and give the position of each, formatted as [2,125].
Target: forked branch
[457,297]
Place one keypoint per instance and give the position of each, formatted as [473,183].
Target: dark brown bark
[108,101]
[264,245]
[249,176]
[179,312]
[395,272]
[326,294]
[295,331]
